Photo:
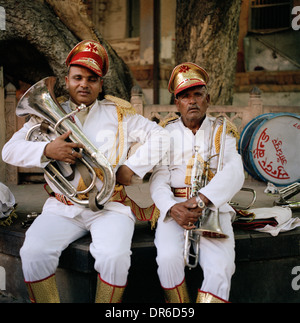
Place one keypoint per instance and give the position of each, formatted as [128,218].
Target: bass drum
[270,148]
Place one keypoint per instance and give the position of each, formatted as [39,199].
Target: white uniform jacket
[220,190]
[101,127]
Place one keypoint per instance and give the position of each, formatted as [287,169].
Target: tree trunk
[207,34]
[36,43]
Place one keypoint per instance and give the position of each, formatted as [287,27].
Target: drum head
[274,148]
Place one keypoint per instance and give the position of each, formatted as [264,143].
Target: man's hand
[124,175]
[61,150]
[186,213]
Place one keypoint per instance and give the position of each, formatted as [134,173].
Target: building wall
[275,58]
[111,19]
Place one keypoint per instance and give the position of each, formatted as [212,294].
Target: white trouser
[216,257]
[52,232]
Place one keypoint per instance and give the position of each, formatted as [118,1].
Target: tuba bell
[40,101]
[208,225]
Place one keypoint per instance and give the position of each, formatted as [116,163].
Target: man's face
[193,103]
[83,85]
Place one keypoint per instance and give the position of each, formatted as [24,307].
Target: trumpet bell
[211,233]
[210,227]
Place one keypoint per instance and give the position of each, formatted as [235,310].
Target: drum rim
[240,145]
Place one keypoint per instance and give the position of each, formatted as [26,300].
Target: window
[270,15]
[133,18]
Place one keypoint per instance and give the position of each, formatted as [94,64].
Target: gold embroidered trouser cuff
[43,291]
[205,297]
[107,293]
[178,294]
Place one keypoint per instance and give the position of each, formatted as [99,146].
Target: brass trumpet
[40,101]
[208,225]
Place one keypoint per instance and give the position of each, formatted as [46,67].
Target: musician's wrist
[45,154]
[206,201]
[168,214]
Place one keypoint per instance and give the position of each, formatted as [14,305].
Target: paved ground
[7,298]
[31,197]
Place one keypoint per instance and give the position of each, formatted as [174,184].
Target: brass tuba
[208,225]
[40,101]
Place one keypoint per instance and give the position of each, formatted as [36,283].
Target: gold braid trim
[164,122]
[230,130]
[124,107]
[120,132]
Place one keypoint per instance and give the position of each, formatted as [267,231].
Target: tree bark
[207,34]
[37,41]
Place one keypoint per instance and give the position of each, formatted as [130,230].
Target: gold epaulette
[124,107]
[232,130]
[167,121]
